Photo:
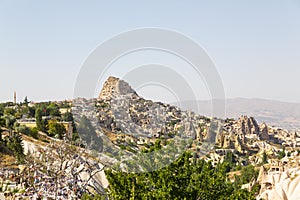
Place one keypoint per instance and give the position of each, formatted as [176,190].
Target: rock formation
[264,134]
[248,125]
[279,183]
[113,87]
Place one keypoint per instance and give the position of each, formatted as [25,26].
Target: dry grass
[231,175]
[112,136]
[7,160]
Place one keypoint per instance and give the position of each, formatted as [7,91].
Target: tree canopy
[186,178]
[56,129]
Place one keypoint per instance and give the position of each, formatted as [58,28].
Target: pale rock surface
[248,125]
[113,87]
[279,185]
[263,135]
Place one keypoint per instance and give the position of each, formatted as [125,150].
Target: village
[68,144]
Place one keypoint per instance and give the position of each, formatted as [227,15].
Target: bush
[281,153]
[14,143]
[56,129]
[15,191]
[34,132]
[22,191]
[23,129]
[86,196]
[248,173]
[128,148]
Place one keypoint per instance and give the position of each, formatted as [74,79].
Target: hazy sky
[255,44]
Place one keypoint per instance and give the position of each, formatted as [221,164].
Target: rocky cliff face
[114,87]
[264,132]
[248,125]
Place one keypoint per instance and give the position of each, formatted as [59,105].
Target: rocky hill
[127,121]
[134,122]
[121,110]
[114,87]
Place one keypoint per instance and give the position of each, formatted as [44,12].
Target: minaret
[15,98]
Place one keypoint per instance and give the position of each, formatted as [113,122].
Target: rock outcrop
[279,183]
[114,87]
[264,134]
[248,125]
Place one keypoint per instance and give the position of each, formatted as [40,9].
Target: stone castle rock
[114,87]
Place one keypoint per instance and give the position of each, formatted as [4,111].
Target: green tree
[56,129]
[185,178]
[68,117]
[265,158]
[34,132]
[31,112]
[14,143]
[26,101]
[1,109]
[157,145]
[281,153]
[1,134]
[248,173]
[9,122]
[23,129]
[53,110]
[230,160]
[40,123]
[10,111]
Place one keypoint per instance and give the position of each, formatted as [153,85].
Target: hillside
[121,134]
[136,124]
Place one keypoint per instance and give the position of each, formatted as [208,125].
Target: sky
[254,45]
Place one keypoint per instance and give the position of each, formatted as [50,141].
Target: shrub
[23,129]
[34,132]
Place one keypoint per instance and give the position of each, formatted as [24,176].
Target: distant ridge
[277,113]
